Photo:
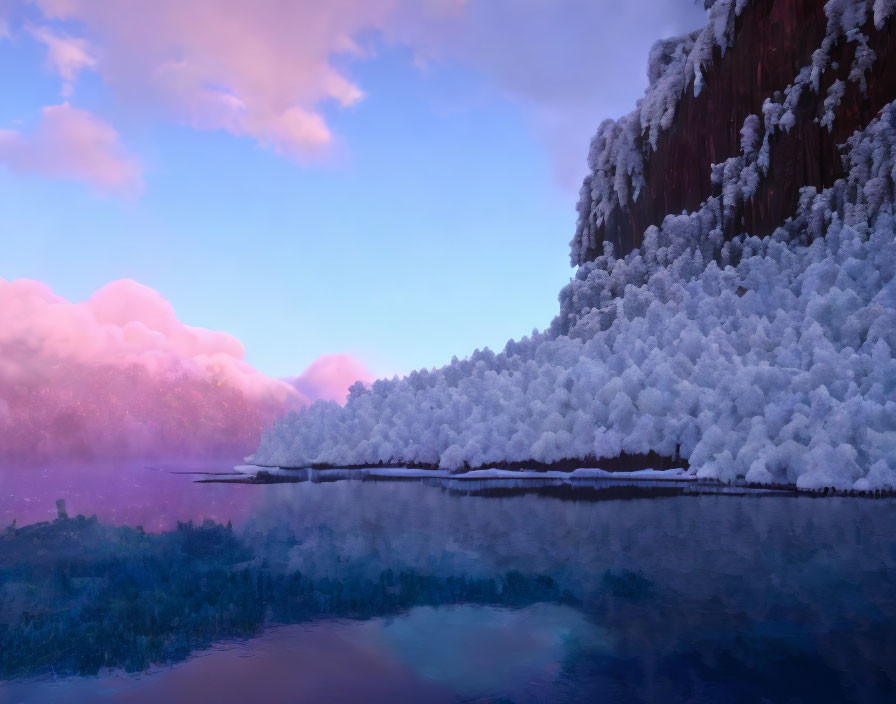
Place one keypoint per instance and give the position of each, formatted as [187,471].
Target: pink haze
[119,376]
[329,377]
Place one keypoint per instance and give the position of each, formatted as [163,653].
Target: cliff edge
[806,73]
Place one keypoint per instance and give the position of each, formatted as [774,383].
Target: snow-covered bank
[765,360]
[246,470]
[686,482]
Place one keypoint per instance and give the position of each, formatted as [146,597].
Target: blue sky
[437,222]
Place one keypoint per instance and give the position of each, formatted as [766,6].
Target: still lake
[425,590]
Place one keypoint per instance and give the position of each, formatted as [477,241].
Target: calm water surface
[437,591]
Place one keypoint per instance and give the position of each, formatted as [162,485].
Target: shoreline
[581,476]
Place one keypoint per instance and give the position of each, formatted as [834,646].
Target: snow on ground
[581,473]
[765,359]
[523,473]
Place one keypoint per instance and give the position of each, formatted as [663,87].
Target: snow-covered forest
[764,359]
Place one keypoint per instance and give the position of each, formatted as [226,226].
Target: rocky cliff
[751,59]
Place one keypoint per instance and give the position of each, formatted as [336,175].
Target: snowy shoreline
[678,474]
[581,476]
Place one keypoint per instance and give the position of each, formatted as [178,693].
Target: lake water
[438,591]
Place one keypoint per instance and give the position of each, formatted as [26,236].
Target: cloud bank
[118,376]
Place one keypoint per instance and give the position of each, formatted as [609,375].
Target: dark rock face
[773,40]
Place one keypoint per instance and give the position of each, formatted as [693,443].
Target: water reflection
[481,652]
[528,597]
[476,651]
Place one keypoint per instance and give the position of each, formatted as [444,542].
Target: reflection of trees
[700,598]
[703,581]
[79,596]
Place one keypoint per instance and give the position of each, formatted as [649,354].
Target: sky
[389,181]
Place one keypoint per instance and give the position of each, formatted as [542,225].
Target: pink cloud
[69,143]
[118,376]
[329,377]
[68,56]
[271,70]
[260,69]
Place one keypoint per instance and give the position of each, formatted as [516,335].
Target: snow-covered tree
[769,359]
